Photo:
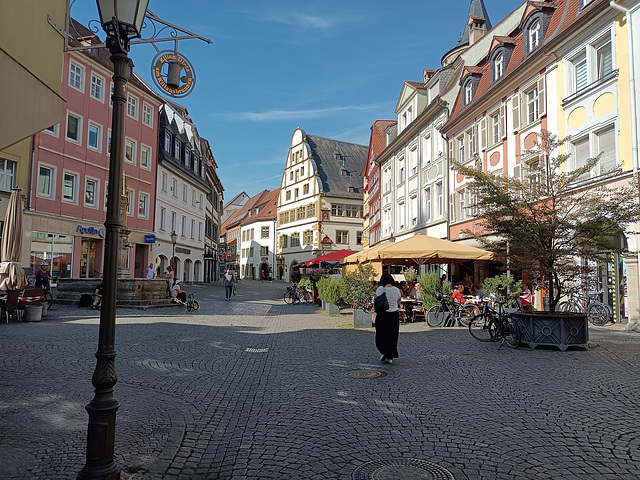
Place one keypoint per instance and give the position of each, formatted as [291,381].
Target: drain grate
[365,374]
[401,469]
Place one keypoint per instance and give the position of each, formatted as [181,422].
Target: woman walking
[388,323]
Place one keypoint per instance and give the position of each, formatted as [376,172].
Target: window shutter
[452,206]
[517,172]
[483,133]
[475,139]
[503,121]
[515,112]
[542,99]
[452,150]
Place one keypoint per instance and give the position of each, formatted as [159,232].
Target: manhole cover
[401,469]
[365,374]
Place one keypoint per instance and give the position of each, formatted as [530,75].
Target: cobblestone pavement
[256,389]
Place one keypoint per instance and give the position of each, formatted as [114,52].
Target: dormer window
[498,66]
[468,92]
[534,35]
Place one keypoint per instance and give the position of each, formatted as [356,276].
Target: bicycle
[295,294]
[492,326]
[48,298]
[597,312]
[449,313]
[192,303]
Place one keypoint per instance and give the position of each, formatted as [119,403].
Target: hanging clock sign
[173,73]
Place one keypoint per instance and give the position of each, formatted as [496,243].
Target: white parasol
[12,275]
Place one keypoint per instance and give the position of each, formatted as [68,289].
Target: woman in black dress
[388,323]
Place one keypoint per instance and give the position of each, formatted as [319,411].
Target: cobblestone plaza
[256,389]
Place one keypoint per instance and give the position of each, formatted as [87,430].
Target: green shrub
[329,290]
[429,286]
[357,288]
[499,285]
[410,275]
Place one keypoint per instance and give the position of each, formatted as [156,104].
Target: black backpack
[85,300]
[381,303]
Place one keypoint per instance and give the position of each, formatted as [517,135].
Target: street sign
[149,239]
[364,241]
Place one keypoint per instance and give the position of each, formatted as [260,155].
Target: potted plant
[504,288]
[410,275]
[358,288]
[330,292]
[549,224]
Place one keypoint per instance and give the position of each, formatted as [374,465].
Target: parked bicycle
[295,294]
[192,303]
[598,313]
[449,313]
[492,326]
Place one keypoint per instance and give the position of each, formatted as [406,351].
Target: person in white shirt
[388,323]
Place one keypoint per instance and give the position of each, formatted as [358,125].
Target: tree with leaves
[552,221]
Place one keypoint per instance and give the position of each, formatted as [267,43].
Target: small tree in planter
[429,286]
[549,219]
[410,275]
[503,288]
[329,290]
[358,288]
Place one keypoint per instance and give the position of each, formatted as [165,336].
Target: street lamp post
[174,239]
[122,21]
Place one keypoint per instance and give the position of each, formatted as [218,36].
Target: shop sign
[91,231]
[183,250]
[149,239]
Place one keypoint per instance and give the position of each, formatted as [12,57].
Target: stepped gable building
[564,68]
[182,189]
[258,237]
[320,202]
[70,169]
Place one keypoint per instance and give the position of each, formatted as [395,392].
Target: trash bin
[32,312]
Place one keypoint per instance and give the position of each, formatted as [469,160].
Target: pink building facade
[70,170]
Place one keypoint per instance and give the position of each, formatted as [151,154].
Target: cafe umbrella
[12,275]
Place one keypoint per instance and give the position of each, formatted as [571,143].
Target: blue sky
[329,67]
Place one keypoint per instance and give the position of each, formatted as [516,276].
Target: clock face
[173,73]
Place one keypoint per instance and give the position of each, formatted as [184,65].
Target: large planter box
[556,329]
[332,308]
[362,319]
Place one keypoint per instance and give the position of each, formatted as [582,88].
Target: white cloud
[278,115]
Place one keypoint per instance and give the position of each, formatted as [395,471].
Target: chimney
[476,29]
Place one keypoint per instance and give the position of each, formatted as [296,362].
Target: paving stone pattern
[256,389]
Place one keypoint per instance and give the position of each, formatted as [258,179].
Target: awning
[328,257]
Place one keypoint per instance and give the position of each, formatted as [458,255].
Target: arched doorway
[197,271]
[265,271]
[280,272]
[188,268]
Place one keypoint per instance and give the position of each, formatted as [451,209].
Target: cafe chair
[402,315]
[11,307]
[419,315]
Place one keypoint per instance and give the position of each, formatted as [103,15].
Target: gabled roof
[332,158]
[266,208]
[244,212]
[377,142]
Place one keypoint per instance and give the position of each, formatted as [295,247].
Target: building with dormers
[320,201]
[229,254]
[563,68]
[70,169]
[182,189]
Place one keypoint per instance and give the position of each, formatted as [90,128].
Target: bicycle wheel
[308,296]
[598,314]
[466,313]
[189,303]
[479,328]
[288,297]
[436,316]
[296,298]
[564,307]
[511,332]
[49,299]
[196,305]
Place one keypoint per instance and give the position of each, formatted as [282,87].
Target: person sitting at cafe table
[458,294]
[411,290]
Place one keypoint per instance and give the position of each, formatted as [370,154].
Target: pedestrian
[525,298]
[42,276]
[97,297]
[151,271]
[466,284]
[168,276]
[388,322]
[179,295]
[229,281]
